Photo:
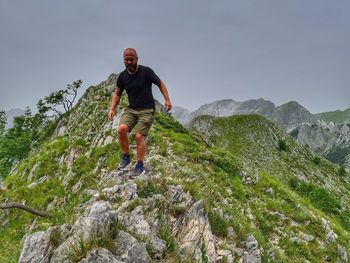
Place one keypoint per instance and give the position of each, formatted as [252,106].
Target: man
[137,81]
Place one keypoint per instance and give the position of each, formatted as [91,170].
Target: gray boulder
[40,246]
[193,232]
[137,254]
[252,253]
[100,255]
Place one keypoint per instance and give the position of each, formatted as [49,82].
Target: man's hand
[110,115]
[168,105]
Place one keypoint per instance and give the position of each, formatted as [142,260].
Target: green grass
[218,224]
[322,199]
[149,188]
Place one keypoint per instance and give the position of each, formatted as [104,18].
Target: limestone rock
[39,181]
[40,246]
[135,222]
[306,237]
[128,191]
[342,253]
[37,248]
[97,222]
[137,254]
[124,241]
[176,195]
[252,253]
[193,232]
[330,235]
[158,247]
[129,249]
[100,255]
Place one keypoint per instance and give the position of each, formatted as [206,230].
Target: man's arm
[165,93]
[115,102]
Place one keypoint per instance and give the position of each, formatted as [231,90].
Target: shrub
[316,160]
[342,171]
[282,146]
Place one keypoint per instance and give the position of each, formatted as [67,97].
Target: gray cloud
[203,50]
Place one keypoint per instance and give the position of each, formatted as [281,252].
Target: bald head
[130,60]
[130,52]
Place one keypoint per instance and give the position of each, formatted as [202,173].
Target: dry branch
[23,207]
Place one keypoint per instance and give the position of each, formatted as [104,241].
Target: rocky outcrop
[123,234]
[290,115]
[40,246]
[194,234]
[100,255]
[327,139]
[252,253]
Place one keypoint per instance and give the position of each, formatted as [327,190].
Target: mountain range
[325,133]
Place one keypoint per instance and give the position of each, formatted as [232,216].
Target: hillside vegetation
[234,189]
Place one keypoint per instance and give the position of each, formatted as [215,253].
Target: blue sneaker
[124,162]
[138,169]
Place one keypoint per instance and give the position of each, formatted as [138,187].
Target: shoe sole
[136,174]
[123,168]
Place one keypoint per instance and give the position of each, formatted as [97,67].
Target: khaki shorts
[141,120]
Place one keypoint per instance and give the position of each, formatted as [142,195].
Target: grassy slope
[264,147]
[335,116]
[208,173]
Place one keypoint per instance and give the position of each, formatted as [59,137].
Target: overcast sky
[202,50]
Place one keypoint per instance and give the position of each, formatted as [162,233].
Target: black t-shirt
[139,87]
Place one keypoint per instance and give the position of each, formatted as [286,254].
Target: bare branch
[25,208]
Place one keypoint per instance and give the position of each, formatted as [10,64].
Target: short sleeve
[120,83]
[153,76]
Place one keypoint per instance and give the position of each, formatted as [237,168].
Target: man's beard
[131,68]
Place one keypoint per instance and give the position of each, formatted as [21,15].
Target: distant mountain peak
[287,116]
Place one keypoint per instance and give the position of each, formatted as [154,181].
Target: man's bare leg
[123,138]
[140,145]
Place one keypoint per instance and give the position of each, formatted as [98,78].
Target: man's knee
[123,129]
[139,137]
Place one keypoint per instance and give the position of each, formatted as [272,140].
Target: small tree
[61,98]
